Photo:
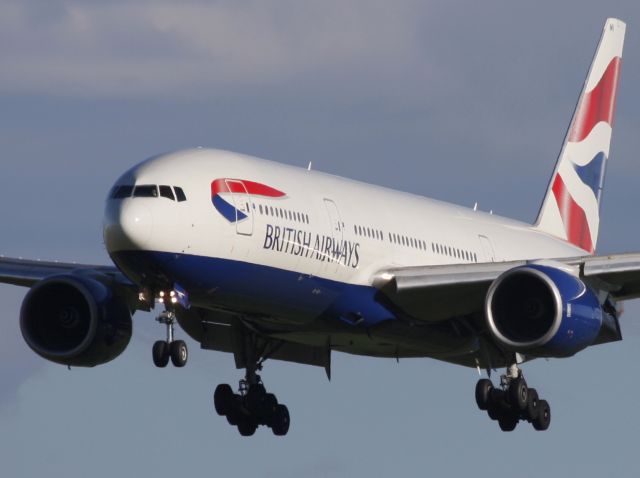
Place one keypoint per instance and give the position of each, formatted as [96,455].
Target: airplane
[269,261]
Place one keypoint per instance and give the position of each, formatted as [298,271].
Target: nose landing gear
[176,350]
[512,401]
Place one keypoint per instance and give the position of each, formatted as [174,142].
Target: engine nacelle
[75,320]
[542,310]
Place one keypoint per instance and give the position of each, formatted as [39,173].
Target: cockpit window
[120,192]
[146,191]
[180,194]
[166,192]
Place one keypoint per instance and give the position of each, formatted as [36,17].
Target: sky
[462,101]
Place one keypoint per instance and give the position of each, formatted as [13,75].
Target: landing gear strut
[251,406]
[174,349]
[512,401]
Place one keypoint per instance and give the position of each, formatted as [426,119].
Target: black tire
[268,408]
[234,415]
[281,421]
[223,399]
[483,393]
[255,396]
[508,422]
[232,418]
[533,404]
[179,353]
[543,420]
[493,411]
[247,427]
[160,353]
[496,403]
[518,393]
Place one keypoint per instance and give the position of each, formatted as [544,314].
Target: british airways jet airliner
[267,261]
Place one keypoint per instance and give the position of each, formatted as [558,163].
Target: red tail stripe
[597,105]
[573,217]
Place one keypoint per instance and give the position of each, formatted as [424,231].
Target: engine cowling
[542,310]
[75,320]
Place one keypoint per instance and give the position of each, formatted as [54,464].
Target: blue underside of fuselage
[256,289]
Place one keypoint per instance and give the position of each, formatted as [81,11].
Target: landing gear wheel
[234,415]
[483,393]
[160,353]
[223,399]
[533,405]
[247,427]
[268,407]
[255,396]
[518,393]
[179,353]
[543,420]
[496,403]
[507,422]
[281,421]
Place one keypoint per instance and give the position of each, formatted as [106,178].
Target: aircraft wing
[26,273]
[436,293]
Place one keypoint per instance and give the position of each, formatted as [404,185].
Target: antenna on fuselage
[309,166]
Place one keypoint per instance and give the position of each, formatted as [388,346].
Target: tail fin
[571,207]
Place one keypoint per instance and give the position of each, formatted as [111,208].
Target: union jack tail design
[571,207]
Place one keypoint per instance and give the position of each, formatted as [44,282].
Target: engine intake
[542,310]
[75,320]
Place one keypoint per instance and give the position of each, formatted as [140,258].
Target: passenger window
[179,194]
[146,191]
[166,192]
[121,192]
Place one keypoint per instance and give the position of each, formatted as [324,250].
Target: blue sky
[462,101]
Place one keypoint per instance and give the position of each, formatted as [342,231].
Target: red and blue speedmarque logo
[224,186]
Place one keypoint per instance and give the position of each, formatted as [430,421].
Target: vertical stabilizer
[571,207]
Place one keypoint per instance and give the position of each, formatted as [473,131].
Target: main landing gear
[252,406]
[174,349]
[512,401]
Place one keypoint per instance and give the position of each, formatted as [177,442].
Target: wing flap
[618,273]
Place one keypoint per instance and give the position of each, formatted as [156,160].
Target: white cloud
[156,48]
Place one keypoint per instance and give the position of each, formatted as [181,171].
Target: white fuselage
[296,251]
[390,228]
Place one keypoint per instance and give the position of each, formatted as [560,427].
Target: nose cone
[128,225]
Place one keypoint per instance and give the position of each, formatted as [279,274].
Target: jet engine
[75,320]
[542,310]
